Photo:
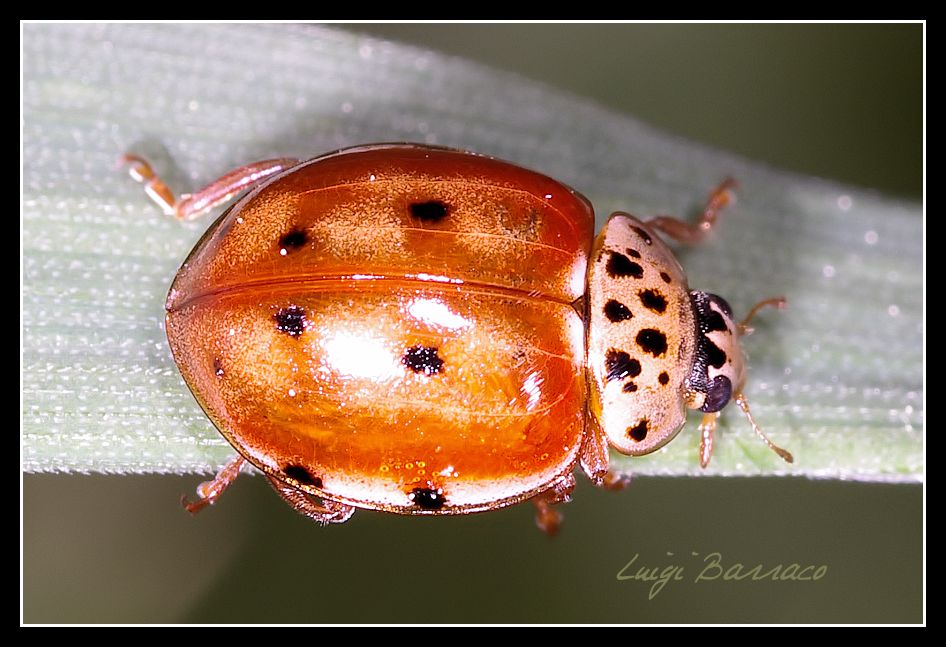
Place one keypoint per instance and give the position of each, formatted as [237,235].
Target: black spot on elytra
[430,211]
[652,341]
[422,359]
[717,395]
[616,311]
[293,240]
[653,300]
[639,431]
[301,474]
[427,498]
[663,378]
[620,266]
[218,367]
[715,356]
[291,321]
[619,365]
[645,236]
[665,277]
[633,253]
[630,387]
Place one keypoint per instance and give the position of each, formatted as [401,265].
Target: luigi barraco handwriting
[713,567]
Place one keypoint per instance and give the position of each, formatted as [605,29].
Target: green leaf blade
[836,378]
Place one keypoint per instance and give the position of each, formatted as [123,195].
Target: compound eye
[717,395]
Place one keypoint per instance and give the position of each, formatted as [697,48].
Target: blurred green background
[840,101]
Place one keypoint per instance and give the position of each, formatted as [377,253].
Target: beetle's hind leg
[547,518]
[320,510]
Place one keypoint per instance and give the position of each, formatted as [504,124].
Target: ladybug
[428,331]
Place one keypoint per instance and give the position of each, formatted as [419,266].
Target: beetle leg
[594,456]
[691,234]
[707,428]
[615,482]
[547,518]
[192,205]
[320,510]
[594,459]
[209,491]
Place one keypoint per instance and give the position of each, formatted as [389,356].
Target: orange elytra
[421,330]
